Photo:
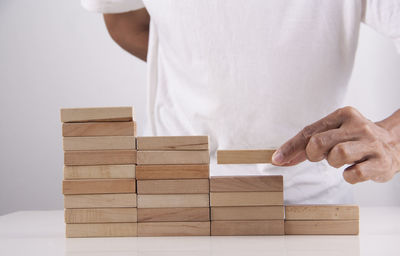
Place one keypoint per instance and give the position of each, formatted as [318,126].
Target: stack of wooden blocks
[321,220]
[173,186]
[99,174]
[247,205]
[174,191]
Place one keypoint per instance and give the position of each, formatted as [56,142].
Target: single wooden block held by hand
[247,228]
[174,228]
[257,156]
[164,143]
[99,157]
[248,213]
[101,230]
[100,215]
[185,186]
[321,212]
[173,157]
[246,198]
[321,227]
[99,129]
[100,186]
[272,183]
[96,114]
[173,214]
[99,143]
[161,172]
[99,201]
[167,201]
[99,172]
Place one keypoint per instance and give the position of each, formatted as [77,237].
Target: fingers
[288,151]
[349,153]
[357,173]
[320,144]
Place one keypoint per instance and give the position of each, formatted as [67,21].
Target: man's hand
[345,137]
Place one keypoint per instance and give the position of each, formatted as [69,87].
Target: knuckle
[348,112]
[307,132]
[366,131]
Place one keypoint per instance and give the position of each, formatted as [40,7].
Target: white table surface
[42,233]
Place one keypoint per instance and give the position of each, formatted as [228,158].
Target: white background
[53,54]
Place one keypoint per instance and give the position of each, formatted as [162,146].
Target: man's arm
[346,137]
[130,30]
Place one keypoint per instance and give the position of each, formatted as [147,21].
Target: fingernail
[277,157]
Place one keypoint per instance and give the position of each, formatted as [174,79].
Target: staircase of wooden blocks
[175,195]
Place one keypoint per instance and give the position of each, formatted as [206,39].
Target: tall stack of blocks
[173,186]
[99,184]
[175,195]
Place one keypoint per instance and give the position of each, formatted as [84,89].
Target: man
[251,74]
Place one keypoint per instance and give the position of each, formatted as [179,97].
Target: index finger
[297,145]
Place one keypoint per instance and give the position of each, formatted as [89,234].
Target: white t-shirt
[251,74]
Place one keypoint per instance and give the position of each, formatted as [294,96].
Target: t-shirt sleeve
[384,17]
[112,6]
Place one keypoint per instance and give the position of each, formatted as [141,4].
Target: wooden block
[272,183]
[99,129]
[258,156]
[100,201]
[100,157]
[171,201]
[100,215]
[247,228]
[99,143]
[101,186]
[164,143]
[173,214]
[100,172]
[187,186]
[96,114]
[321,227]
[101,230]
[160,172]
[174,229]
[173,157]
[321,212]
[248,213]
[246,198]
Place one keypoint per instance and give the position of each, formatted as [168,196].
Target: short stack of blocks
[246,205]
[321,220]
[173,186]
[99,184]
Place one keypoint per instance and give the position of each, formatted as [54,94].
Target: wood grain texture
[100,201]
[321,212]
[100,157]
[247,228]
[101,230]
[173,214]
[246,198]
[174,229]
[100,215]
[100,172]
[272,183]
[164,143]
[247,213]
[99,143]
[171,201]
[160,172]
[321,227]
[101,186]
[96,114]
[187,186]
[173,157]
[99,129]
[257,156]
